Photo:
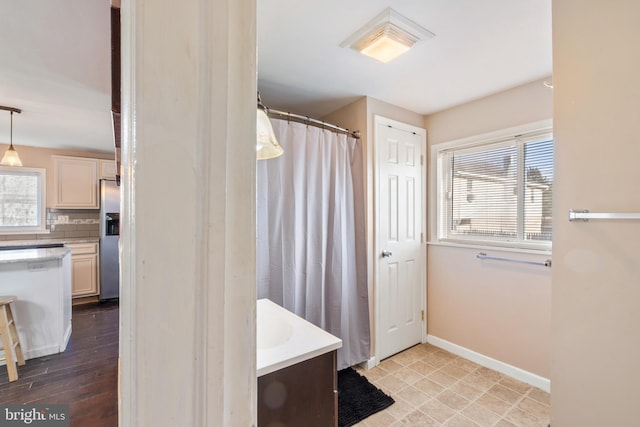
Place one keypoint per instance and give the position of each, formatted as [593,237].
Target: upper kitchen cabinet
[107,169]
[75,183]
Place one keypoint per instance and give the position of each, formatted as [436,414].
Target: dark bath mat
[358,398]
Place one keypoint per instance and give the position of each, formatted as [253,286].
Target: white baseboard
[41,351]
[488,362]
[371,363]
[36,352]
[65,339]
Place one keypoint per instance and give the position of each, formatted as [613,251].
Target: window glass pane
[498,191]
[538,190]
[484,193]
[19,200]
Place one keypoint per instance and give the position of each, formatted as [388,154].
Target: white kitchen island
[41,280]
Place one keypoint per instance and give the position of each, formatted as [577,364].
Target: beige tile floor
[433,387]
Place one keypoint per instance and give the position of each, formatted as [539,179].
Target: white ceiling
[56,67]
[479,48]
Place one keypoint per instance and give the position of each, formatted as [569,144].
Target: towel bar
[483,255]
[585,215]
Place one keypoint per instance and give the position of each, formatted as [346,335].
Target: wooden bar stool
[10,340]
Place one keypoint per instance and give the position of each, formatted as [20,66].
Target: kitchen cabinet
[75,183]
[85,269]
[107,169]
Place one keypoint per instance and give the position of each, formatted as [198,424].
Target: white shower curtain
[311,237]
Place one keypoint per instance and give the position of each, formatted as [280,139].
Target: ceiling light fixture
[11,157]
[267,145]
[387,36]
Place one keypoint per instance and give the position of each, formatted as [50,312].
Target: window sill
[489,247]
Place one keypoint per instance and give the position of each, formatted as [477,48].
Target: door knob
[386,254]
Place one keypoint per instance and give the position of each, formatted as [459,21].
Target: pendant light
[11,157]
[266,143]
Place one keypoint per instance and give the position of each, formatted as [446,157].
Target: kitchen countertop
[4,243]
[26,255]
[284,339]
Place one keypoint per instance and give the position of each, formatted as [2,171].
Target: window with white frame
[22,200]
[498,191]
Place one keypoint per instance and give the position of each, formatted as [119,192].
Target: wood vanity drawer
[303,394]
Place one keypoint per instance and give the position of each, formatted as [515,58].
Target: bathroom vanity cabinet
[304,394]
[296,370]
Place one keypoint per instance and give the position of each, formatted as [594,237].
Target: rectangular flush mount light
[387,36]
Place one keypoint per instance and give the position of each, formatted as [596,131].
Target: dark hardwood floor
[85,376]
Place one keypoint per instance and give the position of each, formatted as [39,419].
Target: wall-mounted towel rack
[483,255]
[585,215]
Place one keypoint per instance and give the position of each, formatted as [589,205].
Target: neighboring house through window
[496,190]
[22,200]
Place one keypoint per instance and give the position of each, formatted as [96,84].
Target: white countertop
[63,241]
[26,255]
[284,339]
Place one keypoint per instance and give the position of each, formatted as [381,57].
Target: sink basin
[272,332]
[284,339]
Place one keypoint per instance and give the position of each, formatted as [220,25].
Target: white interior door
[400,251]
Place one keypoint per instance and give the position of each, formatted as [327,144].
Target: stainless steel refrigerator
[109,236]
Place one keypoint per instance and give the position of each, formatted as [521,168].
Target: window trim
[41,228]
[436,185]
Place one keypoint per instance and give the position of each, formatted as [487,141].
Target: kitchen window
[22,200]
[496,191]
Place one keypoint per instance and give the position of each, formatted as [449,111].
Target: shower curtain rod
[309,121]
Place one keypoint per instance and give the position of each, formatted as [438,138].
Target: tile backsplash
[65,224]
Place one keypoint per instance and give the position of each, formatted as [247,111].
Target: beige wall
[381,108]
[498,310]
[352,116]
[38,157]
[596,275]
[524,104]
[359,115]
